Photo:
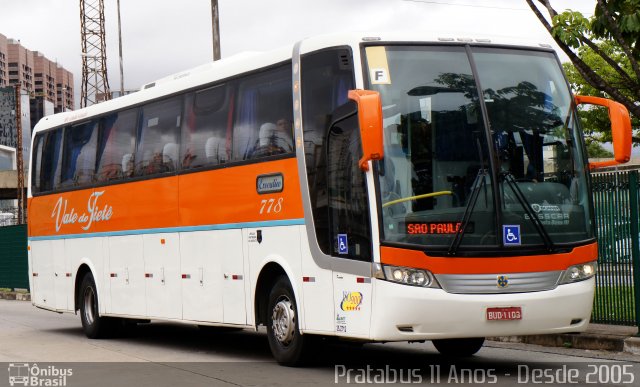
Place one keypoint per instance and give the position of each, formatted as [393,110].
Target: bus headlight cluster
[409,276]
[579,272]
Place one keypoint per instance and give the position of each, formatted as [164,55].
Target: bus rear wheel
[287,345]
[459,347]
[94,326]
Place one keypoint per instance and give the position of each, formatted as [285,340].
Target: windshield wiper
[513,184]
[478,183]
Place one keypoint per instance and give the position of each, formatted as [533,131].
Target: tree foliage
[605,55]
[595,120]
[595,150]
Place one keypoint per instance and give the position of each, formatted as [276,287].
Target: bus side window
[159,136]
[51,160]
[36,163]
[205,127]
[264,100]
[116,146]
[79,155]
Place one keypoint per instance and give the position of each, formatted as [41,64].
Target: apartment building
[39,76]
[4,75]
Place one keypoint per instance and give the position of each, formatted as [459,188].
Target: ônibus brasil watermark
[25,374]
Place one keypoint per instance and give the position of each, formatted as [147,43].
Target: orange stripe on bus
[485,265]
[220,196]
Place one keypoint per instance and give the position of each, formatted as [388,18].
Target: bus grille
[499,283]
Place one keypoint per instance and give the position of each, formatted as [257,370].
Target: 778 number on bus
[269,206]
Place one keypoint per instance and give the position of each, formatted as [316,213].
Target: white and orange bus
[383,188]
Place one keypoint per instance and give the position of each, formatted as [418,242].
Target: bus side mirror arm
[370,120]
[620,130]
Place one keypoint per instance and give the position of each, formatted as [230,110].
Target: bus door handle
[126,275]
[201,274]
[162,275]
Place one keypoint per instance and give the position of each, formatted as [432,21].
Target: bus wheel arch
[266,280]
[80,274]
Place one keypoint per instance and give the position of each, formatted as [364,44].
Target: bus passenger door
[349,226]
[162,280]
[201,273]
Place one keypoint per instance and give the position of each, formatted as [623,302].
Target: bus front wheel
[287,345]
[459,347]
[94,326]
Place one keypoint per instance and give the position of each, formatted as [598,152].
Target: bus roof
[354,39]
[248,61]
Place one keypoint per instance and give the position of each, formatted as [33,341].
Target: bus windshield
[482,149]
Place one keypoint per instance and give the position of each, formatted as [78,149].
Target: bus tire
[94,326]
[287,345]
[459,347]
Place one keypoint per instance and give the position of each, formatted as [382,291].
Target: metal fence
[617,299]
[13,257]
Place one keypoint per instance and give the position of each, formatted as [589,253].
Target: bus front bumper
[406,313]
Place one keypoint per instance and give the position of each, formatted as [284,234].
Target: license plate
[510,313]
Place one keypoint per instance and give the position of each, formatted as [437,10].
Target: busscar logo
[33,375]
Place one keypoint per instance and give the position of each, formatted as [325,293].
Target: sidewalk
[12,295]
[614,338]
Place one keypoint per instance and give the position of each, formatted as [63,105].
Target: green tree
[605,53]
[595,120]
[595,150]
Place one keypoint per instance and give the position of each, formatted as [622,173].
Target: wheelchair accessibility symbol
[343,244]
[511,234]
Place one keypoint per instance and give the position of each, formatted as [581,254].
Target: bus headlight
[408,276]
[579,272]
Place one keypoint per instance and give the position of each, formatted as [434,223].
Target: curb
[578,341]
[632,345]
[18,296]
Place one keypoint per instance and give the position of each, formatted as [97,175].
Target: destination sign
[435,228]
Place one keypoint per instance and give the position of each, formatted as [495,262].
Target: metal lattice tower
[95,84]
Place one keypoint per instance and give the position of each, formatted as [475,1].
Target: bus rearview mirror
[620,129]
[370,120]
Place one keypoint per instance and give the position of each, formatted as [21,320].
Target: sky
[162,37]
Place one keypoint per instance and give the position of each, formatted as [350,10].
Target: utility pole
[19,154]
[215,24]
[120,50]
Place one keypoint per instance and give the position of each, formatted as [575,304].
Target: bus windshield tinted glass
[442,163]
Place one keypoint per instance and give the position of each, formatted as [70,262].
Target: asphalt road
[51,349]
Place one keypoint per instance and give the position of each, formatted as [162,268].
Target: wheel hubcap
[89,305]
[283,321]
